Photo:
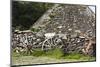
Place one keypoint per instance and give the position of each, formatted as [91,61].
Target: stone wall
[68,43]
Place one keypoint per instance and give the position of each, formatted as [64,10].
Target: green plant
[77,56]
[74,56]
[55,53]
[14,54]
[35,29]
[38,53]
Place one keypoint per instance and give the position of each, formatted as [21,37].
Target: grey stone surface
[74,26]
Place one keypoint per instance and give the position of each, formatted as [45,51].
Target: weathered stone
[68,27]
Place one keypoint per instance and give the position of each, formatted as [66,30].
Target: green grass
[52,56]
[73,56]
[54,53]
[14,54]
[38,53]
[77,56]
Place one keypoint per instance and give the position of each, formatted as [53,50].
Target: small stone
[38,40]
[81,37]
[77,31]
[70,29]
[59,27]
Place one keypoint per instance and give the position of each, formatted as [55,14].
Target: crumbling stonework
[68,27]
[28,41]
[68,19]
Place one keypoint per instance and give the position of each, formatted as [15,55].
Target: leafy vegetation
[54,53]
[54,56]
[25,14]
[78,56]
[38,53]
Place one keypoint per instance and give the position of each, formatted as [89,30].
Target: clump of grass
[14,54]
[78,56]
[73,56]
[23,53]
[55,53]
[38,53]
